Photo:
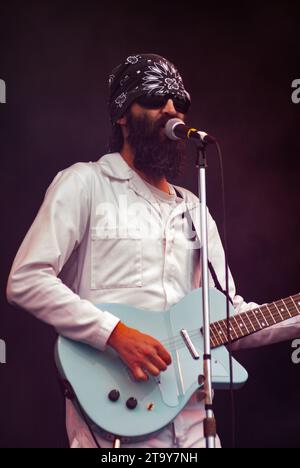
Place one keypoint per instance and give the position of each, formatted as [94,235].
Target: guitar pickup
[189,344]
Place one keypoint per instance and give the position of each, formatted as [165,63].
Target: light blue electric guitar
[117,405]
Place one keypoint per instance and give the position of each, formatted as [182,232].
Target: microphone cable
[229,337]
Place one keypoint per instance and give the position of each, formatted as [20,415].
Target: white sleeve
[33,283]
[283,331]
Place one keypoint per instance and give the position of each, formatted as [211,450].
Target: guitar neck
[254,320]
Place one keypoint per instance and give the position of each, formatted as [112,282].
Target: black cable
[233,417]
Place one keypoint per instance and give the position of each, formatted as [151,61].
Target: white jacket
[97,238]
[106,252]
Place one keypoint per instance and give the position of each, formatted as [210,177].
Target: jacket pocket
[116,259]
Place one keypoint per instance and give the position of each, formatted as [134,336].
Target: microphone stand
[210,422]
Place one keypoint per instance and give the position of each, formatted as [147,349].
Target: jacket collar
[114,165]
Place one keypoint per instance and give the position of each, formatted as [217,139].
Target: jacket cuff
[107,326]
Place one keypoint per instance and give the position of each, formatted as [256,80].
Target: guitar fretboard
[249,322]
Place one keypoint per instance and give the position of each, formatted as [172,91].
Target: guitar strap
[210,266]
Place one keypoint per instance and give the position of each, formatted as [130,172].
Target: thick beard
[154,154]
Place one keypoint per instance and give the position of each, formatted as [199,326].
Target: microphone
[175,129]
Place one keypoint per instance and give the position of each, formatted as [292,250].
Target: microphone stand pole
[209,422]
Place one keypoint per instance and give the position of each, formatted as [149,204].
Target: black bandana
[143,74]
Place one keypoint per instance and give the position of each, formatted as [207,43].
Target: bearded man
[117,231]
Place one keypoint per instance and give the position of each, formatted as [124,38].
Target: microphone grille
[170,126]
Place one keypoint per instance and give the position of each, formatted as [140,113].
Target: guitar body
[93,374]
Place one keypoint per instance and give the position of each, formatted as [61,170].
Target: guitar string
[177,340]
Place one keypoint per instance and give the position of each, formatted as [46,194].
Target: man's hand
[141,353]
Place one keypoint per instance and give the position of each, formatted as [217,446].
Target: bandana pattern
[142,74]
[163,78]
[121,100]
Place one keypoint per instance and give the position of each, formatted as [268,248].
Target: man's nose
[169,107]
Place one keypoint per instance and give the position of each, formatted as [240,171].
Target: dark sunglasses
[152,101]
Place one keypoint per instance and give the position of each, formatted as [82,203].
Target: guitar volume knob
[114,395]
[131,403]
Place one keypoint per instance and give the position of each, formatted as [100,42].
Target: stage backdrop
[239,64]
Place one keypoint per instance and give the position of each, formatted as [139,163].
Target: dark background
[238,62]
